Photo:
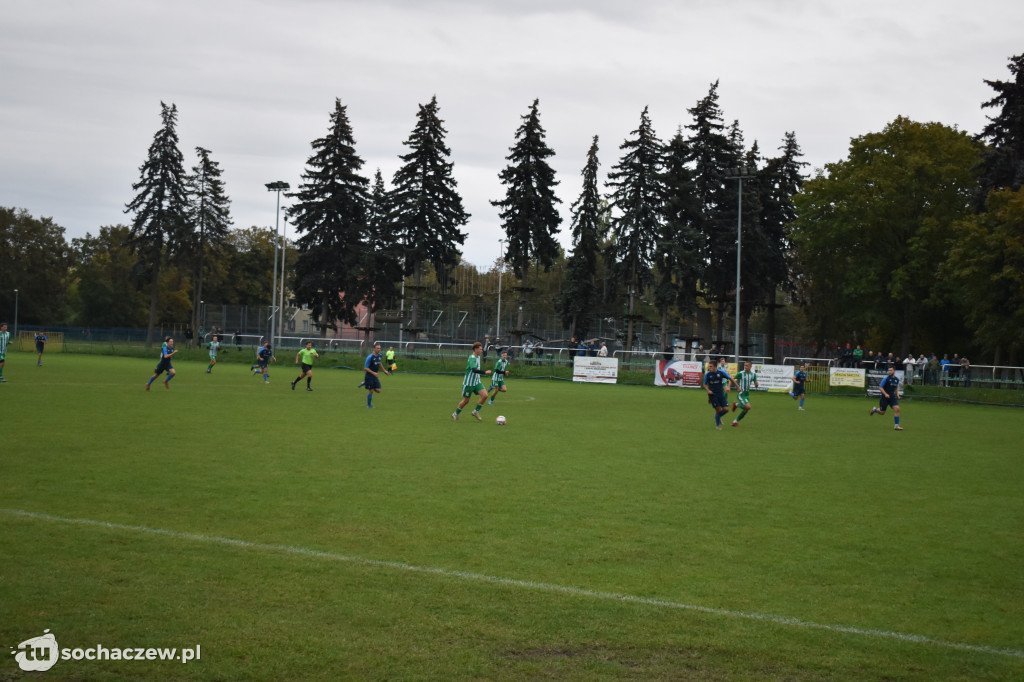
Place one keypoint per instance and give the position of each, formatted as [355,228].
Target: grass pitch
[607,532]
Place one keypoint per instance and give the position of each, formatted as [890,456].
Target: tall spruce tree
[779,181]
[529,213]
[209,220]
[330,212]
[638,197]
[426,206]
[681,242]
[711,151]
[381,264]
[159,227]
[579,298]
[1003,163]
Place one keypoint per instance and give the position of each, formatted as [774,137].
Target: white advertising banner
[774,377]
[846,376]
[682,373]
[595,370]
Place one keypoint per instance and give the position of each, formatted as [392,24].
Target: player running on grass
[746,380]
[713,382]
[890,388]
[5,339]
[214,347]
[498,378]
[264,356]
[799,379]
[164,365]
[471,384]
[306,355]
[371,377]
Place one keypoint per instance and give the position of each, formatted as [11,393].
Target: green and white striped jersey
[471,378]
[746,380]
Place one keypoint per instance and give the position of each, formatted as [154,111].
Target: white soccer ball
[500,421]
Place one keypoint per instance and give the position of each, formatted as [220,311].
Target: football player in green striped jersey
[471,383]
[498,377]
[5,338]
[746,380]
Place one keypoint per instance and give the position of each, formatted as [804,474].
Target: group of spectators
[931,370]
[534,350]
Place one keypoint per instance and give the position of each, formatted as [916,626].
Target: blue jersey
[890,384]
[372,363]
[715,379]
[265,354]
[165,351]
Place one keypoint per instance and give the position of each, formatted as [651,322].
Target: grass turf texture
[626,495]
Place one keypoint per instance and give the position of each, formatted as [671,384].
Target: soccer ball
[500,421]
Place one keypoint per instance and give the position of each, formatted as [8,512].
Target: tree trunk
[770,332]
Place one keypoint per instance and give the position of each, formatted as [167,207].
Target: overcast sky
[255,82]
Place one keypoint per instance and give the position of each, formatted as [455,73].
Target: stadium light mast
[278,187]
[284,249]
[15,313]
[739,174]
[501,267]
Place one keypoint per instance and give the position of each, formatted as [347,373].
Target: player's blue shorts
[884,402]
[798,389]
[163,366]
[718,399]
[371,382]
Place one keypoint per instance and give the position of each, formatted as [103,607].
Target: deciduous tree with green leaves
[34,260]
[986,264]
[872,230]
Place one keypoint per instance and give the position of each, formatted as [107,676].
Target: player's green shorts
[744,400]
[471,391]
[496,385]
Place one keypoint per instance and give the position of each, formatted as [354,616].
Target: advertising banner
[774,377]
[682,373]
[846,376]
[875,377]
[595,370]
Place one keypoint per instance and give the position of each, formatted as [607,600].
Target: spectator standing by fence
[965,371]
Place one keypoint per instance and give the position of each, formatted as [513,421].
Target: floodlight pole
[501,267]
[284,248]
[739,174]
[15,313]
[278,187]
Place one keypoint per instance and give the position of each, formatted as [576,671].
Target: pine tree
[381,264]
[680,244]
[578,299]
[330,212]
[638,196]
[528,212]
[711,151]
[160,207]
[426,206]
[778,182]
[209,217]
[1003,163]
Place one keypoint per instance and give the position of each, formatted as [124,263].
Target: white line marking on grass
[526,584]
